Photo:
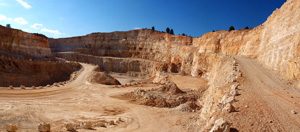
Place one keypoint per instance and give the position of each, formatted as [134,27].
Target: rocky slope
[15,41]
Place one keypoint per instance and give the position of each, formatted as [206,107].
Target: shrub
[231,28]
[168,30]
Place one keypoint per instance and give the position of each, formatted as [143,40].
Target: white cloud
[24,4]
[54,32]
[136,28]
[20,20]
[61,18]
[3,18]
[36,26]
[26,29]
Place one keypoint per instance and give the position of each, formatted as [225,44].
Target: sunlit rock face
[17,42]
[275,44]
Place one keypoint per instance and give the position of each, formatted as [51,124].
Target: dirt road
[81,101]
[266,102]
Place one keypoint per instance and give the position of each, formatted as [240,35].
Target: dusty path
[266,101]
[82,101]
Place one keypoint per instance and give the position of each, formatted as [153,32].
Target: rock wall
[18,72]
[15,41]
[276,44]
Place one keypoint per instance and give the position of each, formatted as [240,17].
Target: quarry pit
[146,80]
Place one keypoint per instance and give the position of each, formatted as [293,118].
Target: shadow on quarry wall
[18,72]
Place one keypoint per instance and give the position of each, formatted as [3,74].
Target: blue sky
[67,18]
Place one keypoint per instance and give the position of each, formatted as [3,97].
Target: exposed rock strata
[274,43]
[17,72]
[21,43]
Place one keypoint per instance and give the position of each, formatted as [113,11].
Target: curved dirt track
[80,101]
[266,102]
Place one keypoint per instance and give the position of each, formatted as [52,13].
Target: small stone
[11,128]
[22,87]
[86,125]
[44,127]
[294,112]
[55,84]
[11,87]
[112,122]
[102,124]
[246,106]
[69,126]
[119,119]
[33,87]
[270,121]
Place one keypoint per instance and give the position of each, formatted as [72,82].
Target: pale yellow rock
[11,127]
[69,126]
[221,125]
[86,125]
[22,87]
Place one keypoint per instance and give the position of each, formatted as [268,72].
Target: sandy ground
[80,101]
[265,103]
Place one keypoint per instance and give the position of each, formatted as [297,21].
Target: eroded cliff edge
[26,59]
[16,42]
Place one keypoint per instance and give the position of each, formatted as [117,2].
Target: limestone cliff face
[17,42]
[133,49]
[18,72]
[276,44]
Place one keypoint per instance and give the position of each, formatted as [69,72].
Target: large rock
[11,128]
[221,125]
[69,126]
[44,127]
[86,125]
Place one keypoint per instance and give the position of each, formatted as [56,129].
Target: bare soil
[81,101]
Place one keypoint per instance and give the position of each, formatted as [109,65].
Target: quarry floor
[80,101]
[265,103]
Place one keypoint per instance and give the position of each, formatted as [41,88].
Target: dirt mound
[103,78]
[168,95]
[170,88]
[189,106]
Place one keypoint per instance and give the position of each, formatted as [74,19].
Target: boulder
[221,125]
[22,87]
[11,128]
[44,127]
[86,125]
[69,126]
